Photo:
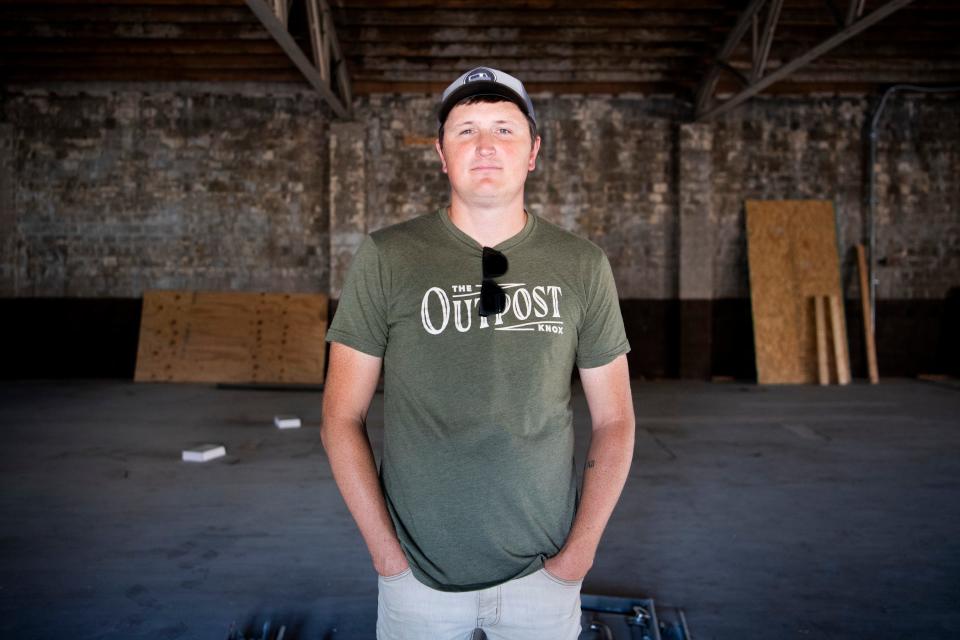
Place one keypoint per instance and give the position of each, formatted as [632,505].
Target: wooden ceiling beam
[552,5]
[744,22]
[559,19]
[436,88]
[854,66]
[327,55]
[146,61]
[542,5]
[613,46]
[134,3]
[115,14]
[702,113]
[539,63]
[154,74]
[919,74]
[300,61]
[763,40]
[875,75]
[525,34]
[681,86]
[891,32]
[881,54]
[157,30]
[152,46]
[600,18]
[534,76]
[423,49]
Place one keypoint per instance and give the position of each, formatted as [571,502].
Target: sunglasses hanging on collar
[493,299]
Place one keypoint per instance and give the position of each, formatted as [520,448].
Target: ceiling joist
[760,52]
[328,61]
[345,47]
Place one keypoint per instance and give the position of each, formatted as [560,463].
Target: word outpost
[528,309]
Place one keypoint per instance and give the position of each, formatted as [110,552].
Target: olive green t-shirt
[478,466]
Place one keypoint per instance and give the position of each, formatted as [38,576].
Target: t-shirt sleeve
[360,321]
[601,336]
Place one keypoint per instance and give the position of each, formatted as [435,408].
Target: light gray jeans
[535,607]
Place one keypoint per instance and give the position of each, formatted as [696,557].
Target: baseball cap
[484,81]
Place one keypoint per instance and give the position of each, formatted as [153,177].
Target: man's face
[487,152]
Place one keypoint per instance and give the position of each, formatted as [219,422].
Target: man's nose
[485,146]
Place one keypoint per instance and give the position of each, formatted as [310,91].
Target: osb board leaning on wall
[792,250]
[193,336]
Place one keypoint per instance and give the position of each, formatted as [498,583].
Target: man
[478,312]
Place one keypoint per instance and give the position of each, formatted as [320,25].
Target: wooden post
[839,340]
[867,324]
[282,11]
[823,367]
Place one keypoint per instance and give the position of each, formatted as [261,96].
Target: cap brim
[480,89]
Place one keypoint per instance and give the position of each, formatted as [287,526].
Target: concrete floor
[773,512]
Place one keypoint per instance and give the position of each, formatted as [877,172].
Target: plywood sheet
[792,250]
[193,336]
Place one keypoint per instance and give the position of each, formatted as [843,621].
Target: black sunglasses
[493,299]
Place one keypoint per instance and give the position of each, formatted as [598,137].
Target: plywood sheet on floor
[193,336]
[792,250]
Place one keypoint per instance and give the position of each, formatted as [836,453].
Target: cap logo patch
[479,74]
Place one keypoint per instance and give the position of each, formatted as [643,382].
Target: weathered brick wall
[110,191]
[815,148]
[609,170]
[8,216]
[116,190]
[918,197]
[605,171]
[775,149]
[403,172]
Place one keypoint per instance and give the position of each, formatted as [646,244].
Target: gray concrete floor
[773,512]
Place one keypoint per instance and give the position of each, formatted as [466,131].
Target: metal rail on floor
[614,618]
[602,618]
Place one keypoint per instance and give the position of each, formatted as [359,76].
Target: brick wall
[918,198]
[118,190]
[610,168]
[112,190]
[783,149]
[605,171]
[815,148]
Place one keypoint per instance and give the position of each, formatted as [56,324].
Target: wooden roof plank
[525,33]
[157,30]
[558,19]
[153,74]
[146,61]
[184,13]
[138,46]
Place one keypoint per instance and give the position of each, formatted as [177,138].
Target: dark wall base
[698,339]
[913,336]
[69,337]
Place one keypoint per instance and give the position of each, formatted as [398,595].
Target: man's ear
[443,162]
[533,154]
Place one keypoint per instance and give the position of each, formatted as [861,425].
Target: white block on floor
[286,422]
[204,452]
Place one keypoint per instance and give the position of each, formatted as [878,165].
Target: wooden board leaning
[193,336]
[792,253]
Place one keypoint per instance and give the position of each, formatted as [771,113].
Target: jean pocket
[396,576]
[558,580]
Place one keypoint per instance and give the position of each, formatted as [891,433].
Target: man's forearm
[604,475]
[355,472]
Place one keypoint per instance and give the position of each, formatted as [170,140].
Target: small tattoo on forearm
[590,464]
